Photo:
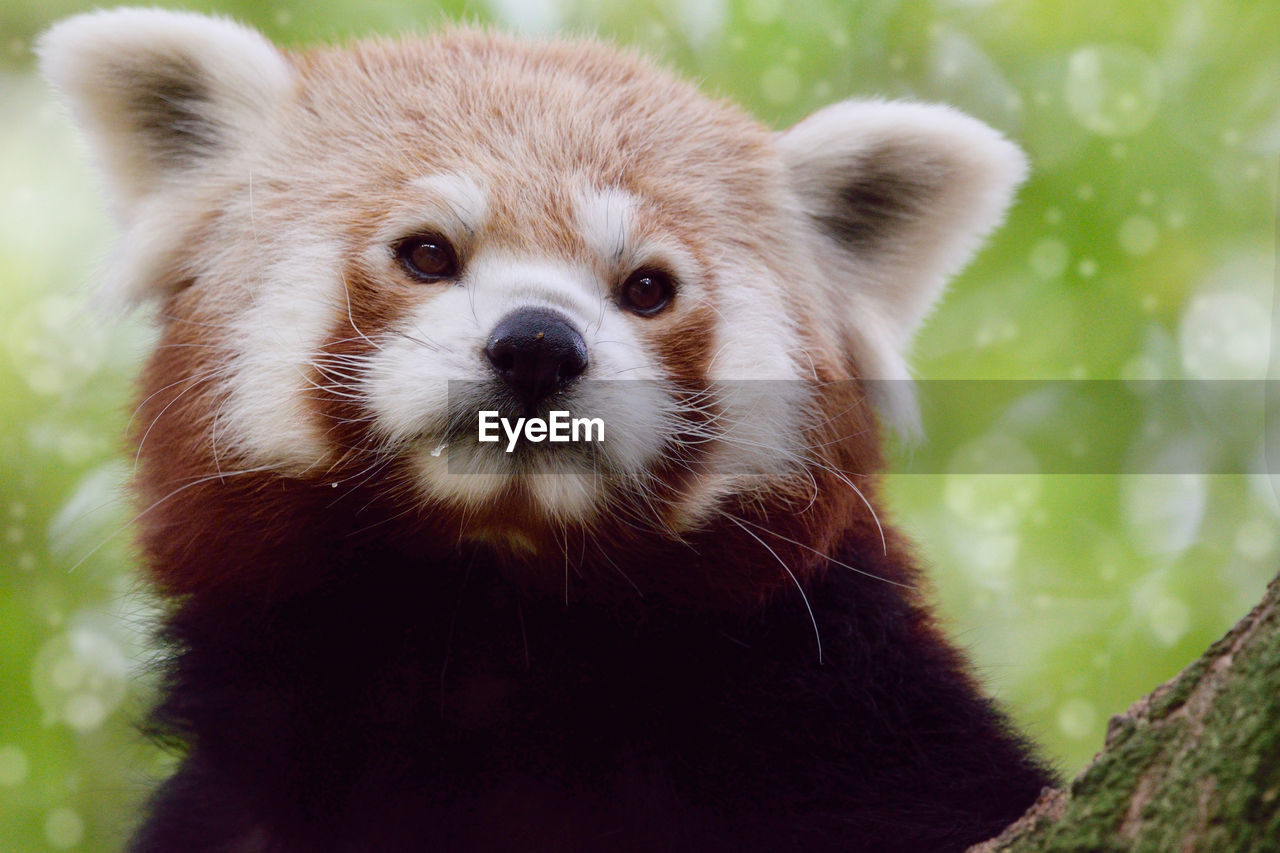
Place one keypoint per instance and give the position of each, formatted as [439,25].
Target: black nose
[536,352]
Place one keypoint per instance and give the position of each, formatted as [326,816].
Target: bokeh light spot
[1169,618]
[55,345]
[762,12]
[13,765]
[1164,511]
[1112,90]
[1138,235]
[1255,539]
[63,829]
[528,16]
[1049,258]
[780,84]
[1076,718]
[1225,335]
[992,483]
[79,677]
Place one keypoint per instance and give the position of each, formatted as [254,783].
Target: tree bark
[1195,766]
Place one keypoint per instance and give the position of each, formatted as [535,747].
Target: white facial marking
[456,197]
[502,284]
[443,338]
[450,203]
[267,416]
[605,222]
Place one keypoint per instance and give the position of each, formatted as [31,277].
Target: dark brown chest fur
[446,711]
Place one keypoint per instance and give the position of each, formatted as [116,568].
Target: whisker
[816,634]
[196,482]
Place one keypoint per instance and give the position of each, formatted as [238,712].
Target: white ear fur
[164,99]
[896,196]
[158,92]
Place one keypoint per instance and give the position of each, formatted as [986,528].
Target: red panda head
[356,251]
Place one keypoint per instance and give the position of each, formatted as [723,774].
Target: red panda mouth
[488,430]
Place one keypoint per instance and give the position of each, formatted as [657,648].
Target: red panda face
[359,251]
[516,233]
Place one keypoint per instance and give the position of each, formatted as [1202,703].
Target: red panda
[698,633]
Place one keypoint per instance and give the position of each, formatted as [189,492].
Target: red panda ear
[165,100]
[159,94]
[895,198]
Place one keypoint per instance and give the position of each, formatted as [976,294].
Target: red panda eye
[427,257]
[647,291]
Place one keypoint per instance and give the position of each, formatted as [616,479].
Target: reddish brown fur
[699,639]
[629,136]
[221,530]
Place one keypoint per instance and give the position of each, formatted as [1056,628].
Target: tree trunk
[1195,766]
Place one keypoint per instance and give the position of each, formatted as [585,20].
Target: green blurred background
[1144,246]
